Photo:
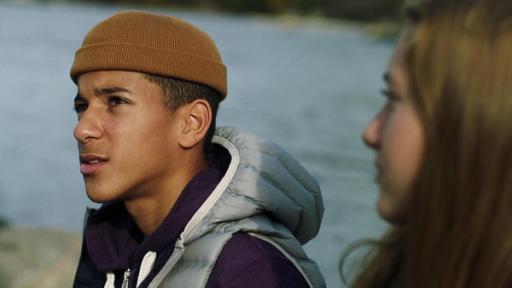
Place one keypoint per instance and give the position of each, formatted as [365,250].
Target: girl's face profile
[397,135]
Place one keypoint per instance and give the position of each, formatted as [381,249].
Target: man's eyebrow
[78,98]
[109,91]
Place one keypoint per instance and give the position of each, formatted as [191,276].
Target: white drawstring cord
[111,278]
[147,265]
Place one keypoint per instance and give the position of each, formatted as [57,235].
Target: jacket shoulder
[247,261]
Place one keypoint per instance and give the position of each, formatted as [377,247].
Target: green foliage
[305,5]
[260,6]
[5,279]
[3,223]
[349,9]
[365,10]
[362,9]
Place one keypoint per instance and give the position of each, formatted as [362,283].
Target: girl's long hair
[459,230]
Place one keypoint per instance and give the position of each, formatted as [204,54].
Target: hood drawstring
[110,280]
[146,266]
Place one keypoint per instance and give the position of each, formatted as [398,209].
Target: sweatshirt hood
[262,180]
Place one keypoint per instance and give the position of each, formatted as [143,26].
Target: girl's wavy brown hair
[459,231]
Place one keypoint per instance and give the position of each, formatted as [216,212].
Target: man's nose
[88,127]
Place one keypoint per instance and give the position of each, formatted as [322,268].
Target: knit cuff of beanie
[155,44]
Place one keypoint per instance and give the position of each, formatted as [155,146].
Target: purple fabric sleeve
[249,262]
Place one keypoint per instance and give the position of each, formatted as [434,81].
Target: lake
[311,87]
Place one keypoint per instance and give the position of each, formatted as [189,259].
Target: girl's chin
[390,212]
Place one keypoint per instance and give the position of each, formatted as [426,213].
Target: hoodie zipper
[126,277]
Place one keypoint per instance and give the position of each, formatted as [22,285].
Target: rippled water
[309,87]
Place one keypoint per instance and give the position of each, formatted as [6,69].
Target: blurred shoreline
[383,27]
[358,10]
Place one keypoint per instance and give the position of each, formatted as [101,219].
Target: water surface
[309,87]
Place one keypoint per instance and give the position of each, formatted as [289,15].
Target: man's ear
[197,119]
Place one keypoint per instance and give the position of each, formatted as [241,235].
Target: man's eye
[80,107]
[115,101]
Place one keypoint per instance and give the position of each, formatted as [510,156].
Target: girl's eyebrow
[389,79]
[386,77]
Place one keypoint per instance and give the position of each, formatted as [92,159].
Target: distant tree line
[348,9]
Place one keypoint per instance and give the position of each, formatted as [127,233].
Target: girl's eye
[389,94]
[389,100]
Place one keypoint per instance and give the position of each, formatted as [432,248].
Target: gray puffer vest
[261,179]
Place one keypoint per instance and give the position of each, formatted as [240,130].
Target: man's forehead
[101,82]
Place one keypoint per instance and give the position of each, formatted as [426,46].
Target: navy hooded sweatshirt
[113,242]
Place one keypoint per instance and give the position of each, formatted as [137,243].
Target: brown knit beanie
[151,43]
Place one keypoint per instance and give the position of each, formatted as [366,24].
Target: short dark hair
[177,92]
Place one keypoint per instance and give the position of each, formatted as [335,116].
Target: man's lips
[90,163]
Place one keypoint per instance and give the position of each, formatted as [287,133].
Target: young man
[182,207]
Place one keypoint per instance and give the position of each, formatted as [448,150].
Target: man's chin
[99,196]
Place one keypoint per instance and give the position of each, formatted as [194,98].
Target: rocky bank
[32,258]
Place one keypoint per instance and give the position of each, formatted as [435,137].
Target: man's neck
[150,211]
